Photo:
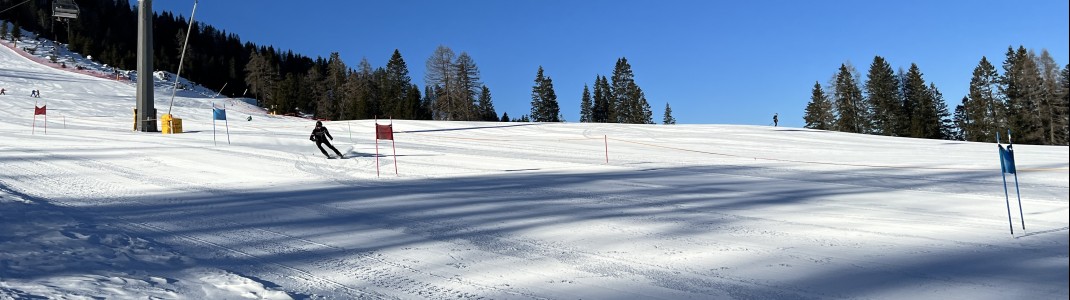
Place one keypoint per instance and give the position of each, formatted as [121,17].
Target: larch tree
[439,75]
[261,75]
[1065,105]
[1049,104]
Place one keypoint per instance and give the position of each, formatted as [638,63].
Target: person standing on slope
[320,135]
[775,120]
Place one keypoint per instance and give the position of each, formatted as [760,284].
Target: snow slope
[502,210]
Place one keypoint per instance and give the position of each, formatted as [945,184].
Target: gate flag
[1006,164]
[385,132]
[1007,157]
[42,110]
[220,114]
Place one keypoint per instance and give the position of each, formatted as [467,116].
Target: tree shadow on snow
[491,213]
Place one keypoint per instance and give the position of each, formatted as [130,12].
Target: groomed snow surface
[484,210]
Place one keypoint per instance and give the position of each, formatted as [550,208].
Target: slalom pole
[226,122]
[376,146]
[605,139]
[1021,215]
[46,113]
[350,129]
[393,145]
[213,125]
[1007,196]
[33,128]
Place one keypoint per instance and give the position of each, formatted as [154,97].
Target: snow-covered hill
[501,210]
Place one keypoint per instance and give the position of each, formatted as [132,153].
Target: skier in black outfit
[320,135]
[775,120]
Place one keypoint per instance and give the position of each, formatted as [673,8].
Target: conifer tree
[16,33]
[602,107]
[362,94]
[586,107]
[848,102]
[468,88]
[415,109]
[1022,85]
[544,107]
[505,117]
[313,85]
[641,107]
[668,119]
[395,88]
[486,106]
[882,89]
[287,93]
[3,29]
[944,126]
[985,110]
[962,122]
[918,105]
[818,113]
[629,104]
[337,75]
[623,85]
[430,102]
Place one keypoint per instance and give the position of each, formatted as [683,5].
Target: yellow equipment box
[170,125]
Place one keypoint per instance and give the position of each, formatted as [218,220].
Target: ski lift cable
[13,6]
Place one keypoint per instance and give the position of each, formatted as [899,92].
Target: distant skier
[320,135]
[2,91]
[775,120]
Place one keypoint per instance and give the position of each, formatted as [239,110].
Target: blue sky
[714,62]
